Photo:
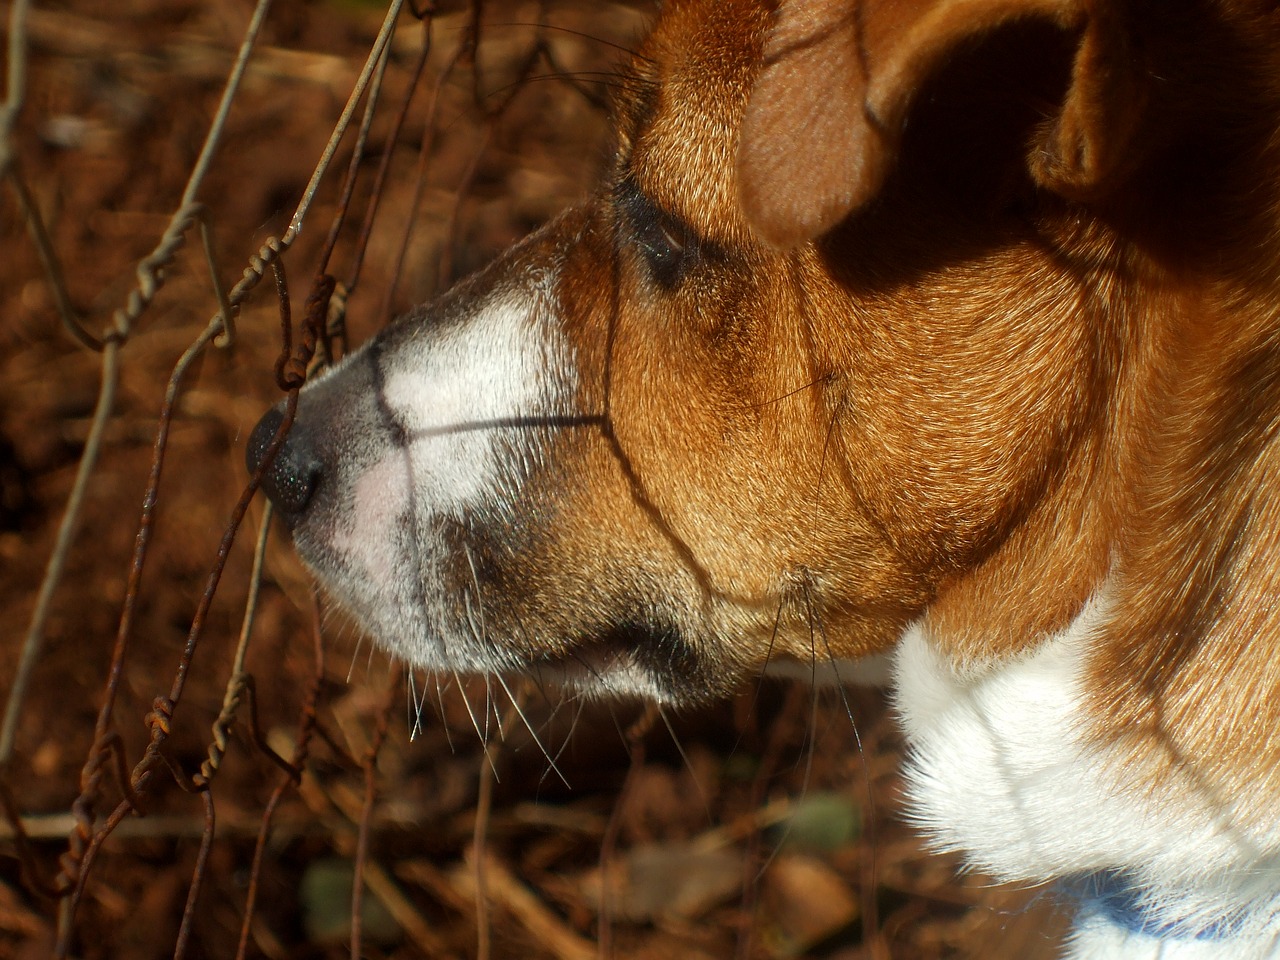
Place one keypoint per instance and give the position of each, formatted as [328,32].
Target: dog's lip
[646,658]
[593,655]
[590,663]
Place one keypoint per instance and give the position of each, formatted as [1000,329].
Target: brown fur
[970,311]
[1031,343]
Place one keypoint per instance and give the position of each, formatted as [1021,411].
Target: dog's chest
[997,766]
[1004,766]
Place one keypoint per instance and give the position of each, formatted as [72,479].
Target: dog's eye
[668,246]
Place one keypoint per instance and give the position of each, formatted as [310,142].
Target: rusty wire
[240,685]
[380,178]
[86,840]
[419,180]
[291,372]
[150,273]
[150,277]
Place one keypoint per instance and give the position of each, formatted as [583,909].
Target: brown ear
[827,111]
[1085,148]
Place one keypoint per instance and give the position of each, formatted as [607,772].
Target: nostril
[291,479]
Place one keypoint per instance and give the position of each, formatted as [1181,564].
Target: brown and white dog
[949,328]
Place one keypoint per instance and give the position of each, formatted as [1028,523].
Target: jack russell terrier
[946,328]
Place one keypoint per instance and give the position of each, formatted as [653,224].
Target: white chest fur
[1001,770]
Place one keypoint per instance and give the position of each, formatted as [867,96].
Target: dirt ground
[768,827]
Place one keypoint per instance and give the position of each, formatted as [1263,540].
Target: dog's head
[858,330]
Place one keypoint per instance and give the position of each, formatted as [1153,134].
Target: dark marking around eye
[667,245]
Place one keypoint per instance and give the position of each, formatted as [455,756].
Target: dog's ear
[838,78]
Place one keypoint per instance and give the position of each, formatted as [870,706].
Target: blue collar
[1115,896]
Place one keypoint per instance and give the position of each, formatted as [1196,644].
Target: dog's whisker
[413,709]
[479,629]
[491,711]
[440,692]
[824,380]
[515,704]
[420,701]
[580,706]
[688,763]
[482,735]
[548,726]
[548,422]
[355,653]
[762,674]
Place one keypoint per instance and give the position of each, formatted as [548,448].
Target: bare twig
[636,750]
[370,764]
[479,840]
[555,936]
[49,260]
[15,82]
[302,749]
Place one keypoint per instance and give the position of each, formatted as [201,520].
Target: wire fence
[195,758]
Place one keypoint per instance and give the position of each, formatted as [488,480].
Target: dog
[948,329]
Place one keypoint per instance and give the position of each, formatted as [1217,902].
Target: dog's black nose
[291,479]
